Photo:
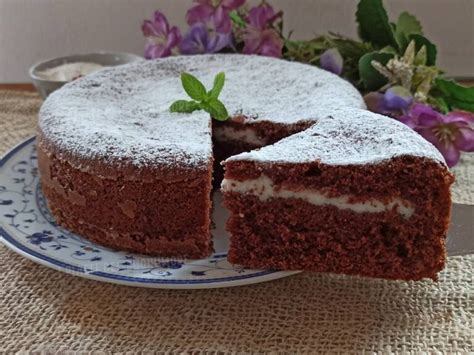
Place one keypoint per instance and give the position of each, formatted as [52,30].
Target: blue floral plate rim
[46,247]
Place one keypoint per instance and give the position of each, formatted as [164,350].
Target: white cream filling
[246,135]
[263,188]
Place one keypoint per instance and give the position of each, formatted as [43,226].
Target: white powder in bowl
[69,71]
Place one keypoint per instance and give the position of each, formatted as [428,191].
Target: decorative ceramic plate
[27,227]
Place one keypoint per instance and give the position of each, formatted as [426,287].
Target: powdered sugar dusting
[122,113]
[346,137]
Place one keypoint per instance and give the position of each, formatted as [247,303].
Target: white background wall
[33,30]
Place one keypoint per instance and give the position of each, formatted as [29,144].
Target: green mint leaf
[407,25]
[431,50]
[219,81]
[184,106]
[371,78]
[216,109]
[193,87]
[374,26]
[203,100]
[455,95]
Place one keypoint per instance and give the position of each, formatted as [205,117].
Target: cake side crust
[156,215]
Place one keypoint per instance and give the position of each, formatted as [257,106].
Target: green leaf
[439,103]
[371,78]
[237,20]
[374,26]
[388,49]
[184,106]
[193,87]
[456,96]
[216,109]
[407,25]
[219,81]
[431,51]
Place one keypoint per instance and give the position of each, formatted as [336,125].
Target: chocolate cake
[118,168]
[323,185]
[356,193]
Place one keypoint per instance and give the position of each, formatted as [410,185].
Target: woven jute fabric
[42,310]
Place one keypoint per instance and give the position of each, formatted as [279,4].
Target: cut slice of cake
[357,193]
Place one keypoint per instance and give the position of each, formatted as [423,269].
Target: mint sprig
[202,99]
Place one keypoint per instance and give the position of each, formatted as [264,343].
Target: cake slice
[357,193]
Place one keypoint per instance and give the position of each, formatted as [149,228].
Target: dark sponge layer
[291,234]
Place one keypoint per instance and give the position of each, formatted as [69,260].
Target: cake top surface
[123,112]
[346,137]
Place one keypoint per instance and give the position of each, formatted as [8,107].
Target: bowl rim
[33,68]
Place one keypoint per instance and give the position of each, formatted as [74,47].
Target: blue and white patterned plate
[27,227]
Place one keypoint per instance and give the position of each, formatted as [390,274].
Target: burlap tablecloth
[46,310]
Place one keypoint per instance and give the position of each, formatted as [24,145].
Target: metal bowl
[108,59]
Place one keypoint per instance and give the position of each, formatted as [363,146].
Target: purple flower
[200,40]
[394,102]
[450,134]
[215,11]
[331,60]
[161,39]
[260,36]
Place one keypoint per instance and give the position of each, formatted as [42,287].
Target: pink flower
[331,60]
[260,36]
[161,39]
[216,11]
[451,133]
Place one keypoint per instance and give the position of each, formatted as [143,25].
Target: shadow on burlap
[45,310]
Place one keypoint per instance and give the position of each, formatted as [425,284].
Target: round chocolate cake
[118,168]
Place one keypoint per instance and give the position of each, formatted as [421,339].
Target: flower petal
[408,120]
[199,13]
[460,116]
[397,98]
[331,60]
[218,41]
[271,45]
[259,16]
[465,140]
[232,4]
[267,43]
[425,115]
[153,51]
[449,151]
[195,40]
[174,38]
[222,20]
[374,101]
[160,22]
[198,40]
[251,41]
[149,30]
